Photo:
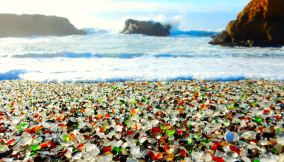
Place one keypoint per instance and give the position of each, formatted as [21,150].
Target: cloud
[109,13]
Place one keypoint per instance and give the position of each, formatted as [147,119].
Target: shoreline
[160,121]
[145,81]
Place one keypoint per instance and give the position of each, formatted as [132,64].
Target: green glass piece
[2,148]
[133,102]
[100,100]
[197,135]
[274,151]
[206,140]
[243,97]
[236,105]
[138,143]
[254,104]
[189,151]
[188,124]
[278,130]
[163,127]
[66,138]
[122,151]
[256,160]
[122,102]
[158,107]
[33,153]
[22,126]
[115,150]
[189,140]
[258,119]
[35,147]
[75,126]
[127,122]
[143,100]
[114,87]
[277,100]
[170,132]
[226,123]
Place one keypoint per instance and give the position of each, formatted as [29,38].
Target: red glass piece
[156,130]
[183,152]
[218,159]
[235,149]
[107,149]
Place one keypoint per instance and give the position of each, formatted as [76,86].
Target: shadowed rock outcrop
[12,25]
[261,23]
[146,28]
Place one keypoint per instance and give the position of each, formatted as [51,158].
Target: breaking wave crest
[134,55]
[193,33]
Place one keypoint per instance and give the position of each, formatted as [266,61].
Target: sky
[111,14]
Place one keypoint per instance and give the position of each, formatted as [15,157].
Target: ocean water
[107,56]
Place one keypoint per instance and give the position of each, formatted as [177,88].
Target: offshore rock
[146,27]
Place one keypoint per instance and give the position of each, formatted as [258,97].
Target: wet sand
[148,121]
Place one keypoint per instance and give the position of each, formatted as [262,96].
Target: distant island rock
[12,25]
[261,23]
[146,27]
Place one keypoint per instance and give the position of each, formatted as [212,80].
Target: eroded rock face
[12,25]
[261,23]
[145,27]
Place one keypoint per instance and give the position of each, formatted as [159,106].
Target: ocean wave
[173,32]
[53,55]
[51,78]
[92,31]
[192,33]
[142,69]
[75,55]
[12,74]
[226,78]
[137,55]
[45,77]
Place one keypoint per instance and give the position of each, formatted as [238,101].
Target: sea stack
[261,23]
[12,25]
[146,27]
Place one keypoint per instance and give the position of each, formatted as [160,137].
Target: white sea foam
[103,56]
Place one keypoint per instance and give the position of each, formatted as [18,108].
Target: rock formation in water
[146,27]
[12,25]
[261,23]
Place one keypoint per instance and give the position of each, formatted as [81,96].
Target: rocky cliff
[12,25]
[261,23]
[146,28]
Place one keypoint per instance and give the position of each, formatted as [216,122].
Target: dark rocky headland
[261,23]
[12,25]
